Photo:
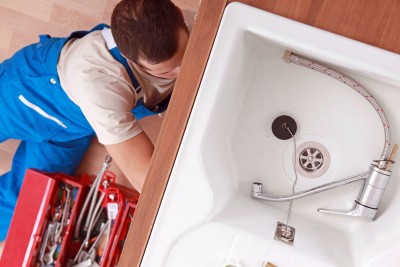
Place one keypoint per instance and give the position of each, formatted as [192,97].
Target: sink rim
[184,138]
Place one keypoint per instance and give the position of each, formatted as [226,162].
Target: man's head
[152,34]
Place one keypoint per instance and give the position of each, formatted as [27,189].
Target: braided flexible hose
[355,86]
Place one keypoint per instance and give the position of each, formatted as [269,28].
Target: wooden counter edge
[172,130]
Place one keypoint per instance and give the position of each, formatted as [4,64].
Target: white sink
[207,217]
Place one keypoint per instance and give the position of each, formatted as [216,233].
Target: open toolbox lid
[28,219]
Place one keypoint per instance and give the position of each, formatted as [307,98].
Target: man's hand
[133,158]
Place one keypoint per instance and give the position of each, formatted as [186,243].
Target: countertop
[373,22]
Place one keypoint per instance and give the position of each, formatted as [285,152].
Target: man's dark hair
[148,29]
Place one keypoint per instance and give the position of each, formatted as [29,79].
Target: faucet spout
[256,191]
[366,204]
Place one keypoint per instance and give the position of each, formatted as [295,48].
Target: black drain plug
[284,127]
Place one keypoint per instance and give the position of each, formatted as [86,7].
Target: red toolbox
[33,210]
[64,221]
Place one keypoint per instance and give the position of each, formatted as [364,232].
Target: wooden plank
[108,10]
[5,39]
[172,130]
[372,22]
[187,4]
[69,20]
[91,8]
[39,9]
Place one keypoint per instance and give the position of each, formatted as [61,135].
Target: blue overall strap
[140,110]
[121,59]
[80,34]
[112,47]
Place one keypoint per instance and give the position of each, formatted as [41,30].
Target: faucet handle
[371,192]
[357,210]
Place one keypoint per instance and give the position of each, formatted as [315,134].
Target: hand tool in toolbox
[71,222]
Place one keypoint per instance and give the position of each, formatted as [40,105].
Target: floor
[21,21]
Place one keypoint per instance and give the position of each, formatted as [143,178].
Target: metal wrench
[66,211]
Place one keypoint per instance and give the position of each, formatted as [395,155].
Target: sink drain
[316,161]
[311,159]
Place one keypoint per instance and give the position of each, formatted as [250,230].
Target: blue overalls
[35,109]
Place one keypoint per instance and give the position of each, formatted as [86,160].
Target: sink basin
[207,217]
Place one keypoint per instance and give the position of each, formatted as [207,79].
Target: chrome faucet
[365,205]
[375,181]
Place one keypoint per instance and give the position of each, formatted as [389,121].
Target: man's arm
[133,158]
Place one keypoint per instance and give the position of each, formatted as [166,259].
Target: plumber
[55,95]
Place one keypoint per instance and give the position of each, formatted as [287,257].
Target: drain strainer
[311,159]
[316,161]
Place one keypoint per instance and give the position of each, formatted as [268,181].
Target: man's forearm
[133,158]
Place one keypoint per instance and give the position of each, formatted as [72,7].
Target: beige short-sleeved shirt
[101,87]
